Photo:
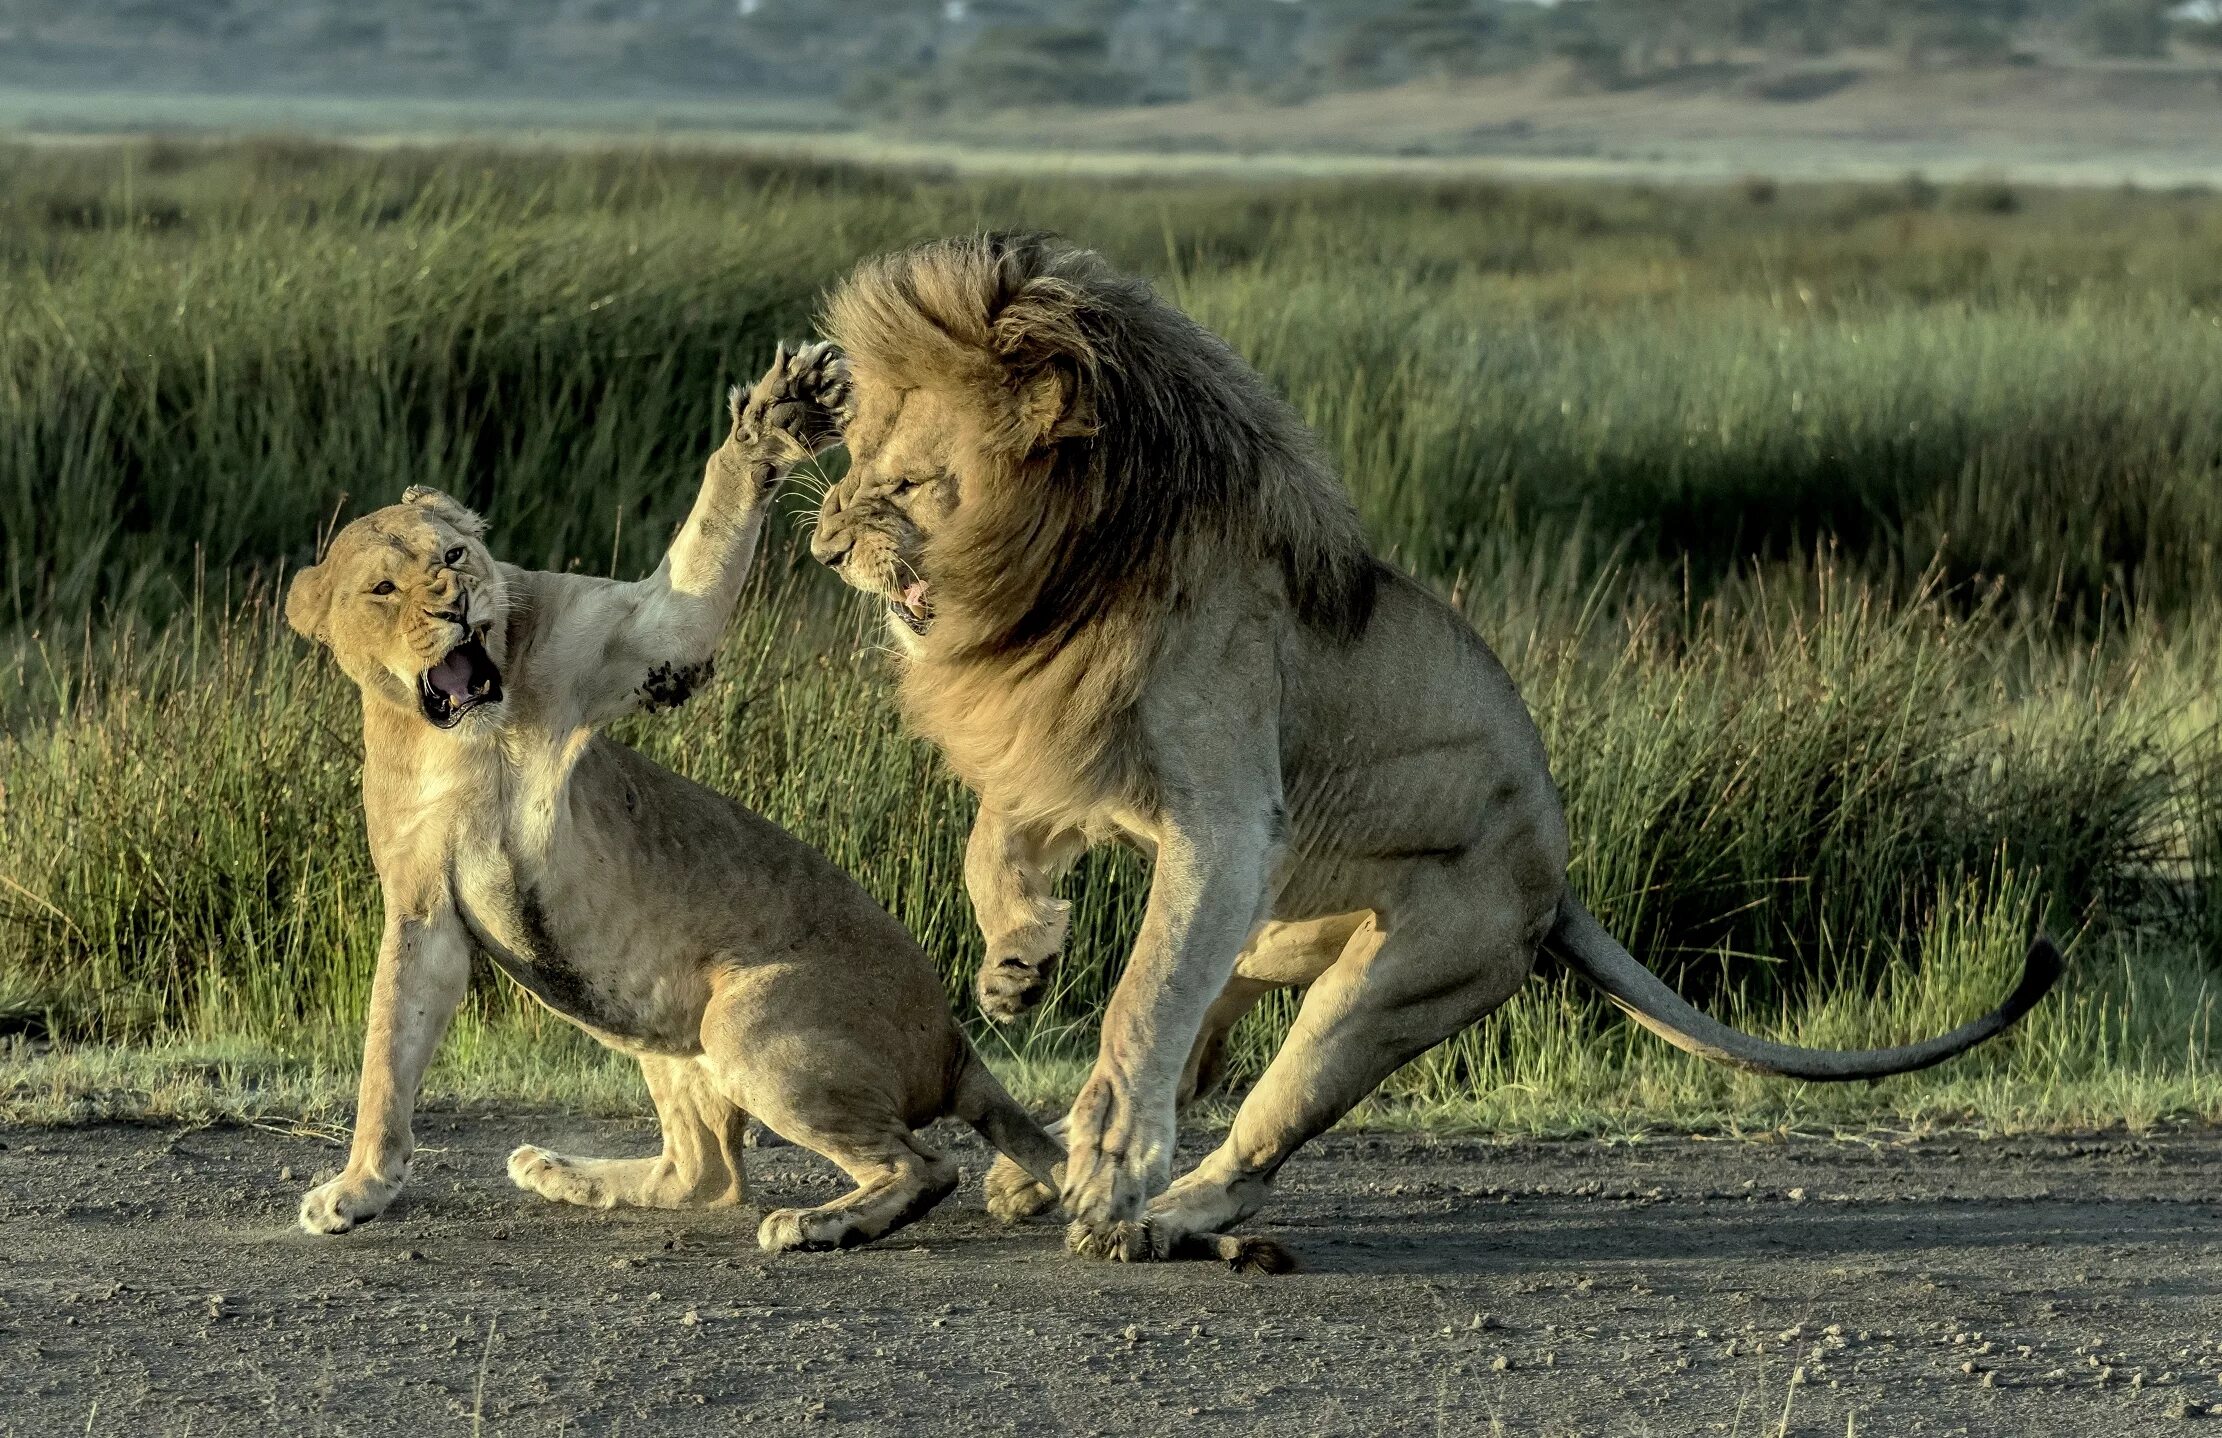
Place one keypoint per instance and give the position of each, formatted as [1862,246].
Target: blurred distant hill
[928,57]
[1407,77]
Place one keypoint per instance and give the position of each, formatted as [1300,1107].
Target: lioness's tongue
[452,676]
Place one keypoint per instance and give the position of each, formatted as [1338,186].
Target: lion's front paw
[1014,1194]
[1011,985]
[344,1202]
[801,404]
[1120,1242]
[1117,1154]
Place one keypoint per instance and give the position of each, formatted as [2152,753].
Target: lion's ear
[1051,407]
[308,603]
[459,516]
[1049,360]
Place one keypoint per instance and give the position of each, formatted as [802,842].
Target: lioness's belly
[586,954]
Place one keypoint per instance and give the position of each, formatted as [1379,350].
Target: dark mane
[1143,458]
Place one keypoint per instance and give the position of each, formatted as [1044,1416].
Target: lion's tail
[981,1101]
[1593,953]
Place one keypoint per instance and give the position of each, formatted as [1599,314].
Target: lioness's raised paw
[346,1202]
[799,406]
[1014,1195]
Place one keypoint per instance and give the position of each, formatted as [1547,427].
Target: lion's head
[412,606]
[1041,448]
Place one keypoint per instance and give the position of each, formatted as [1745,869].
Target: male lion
[1134,602]
[744,971]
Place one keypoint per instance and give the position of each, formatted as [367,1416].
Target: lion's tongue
[452,676]
[914,598]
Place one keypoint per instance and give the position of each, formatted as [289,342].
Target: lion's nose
[831,549]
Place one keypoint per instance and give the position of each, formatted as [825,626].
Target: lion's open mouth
[912,608]
[458,684]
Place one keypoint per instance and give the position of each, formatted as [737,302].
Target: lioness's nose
[831,548]
[448,600]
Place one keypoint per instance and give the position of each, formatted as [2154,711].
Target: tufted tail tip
[1241,1252]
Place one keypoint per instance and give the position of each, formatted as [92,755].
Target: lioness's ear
[1049,360]
[462,518]
[308,603]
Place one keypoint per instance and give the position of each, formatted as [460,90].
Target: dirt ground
[152,1282]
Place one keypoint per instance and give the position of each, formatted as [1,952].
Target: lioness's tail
[981,1101]
[1593,953]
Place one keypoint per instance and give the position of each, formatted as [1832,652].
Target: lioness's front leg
[1011,871]
[648,645]
[1205,898]
[424,965]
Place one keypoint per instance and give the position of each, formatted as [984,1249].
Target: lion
[1132,601]
[744,971]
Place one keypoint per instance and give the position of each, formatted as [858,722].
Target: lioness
[1134,602]
[744,971]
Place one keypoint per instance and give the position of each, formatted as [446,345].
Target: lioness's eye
[455,555]
[383,586]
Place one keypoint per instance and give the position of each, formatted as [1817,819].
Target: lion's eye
[383,586]
[455,556]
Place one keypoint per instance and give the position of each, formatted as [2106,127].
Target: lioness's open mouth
[458,684]
[911,607]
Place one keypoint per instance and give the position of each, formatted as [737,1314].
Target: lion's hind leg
[700,1166]
[1396,990]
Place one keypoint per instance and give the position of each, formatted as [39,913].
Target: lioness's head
[411,605]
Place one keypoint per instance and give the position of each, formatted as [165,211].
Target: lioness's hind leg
[700,1166]
[1014,1194]
[815,1082]
[897,1182]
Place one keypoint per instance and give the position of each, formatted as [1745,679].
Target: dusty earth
[151,1281]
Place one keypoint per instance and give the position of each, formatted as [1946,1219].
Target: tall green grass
[1857,555]
[208,351]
